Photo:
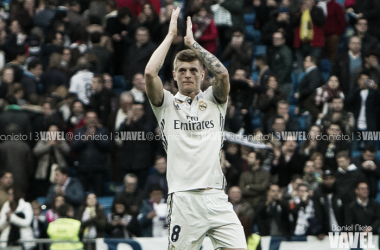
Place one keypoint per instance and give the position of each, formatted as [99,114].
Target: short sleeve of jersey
[158,111]
[209,95]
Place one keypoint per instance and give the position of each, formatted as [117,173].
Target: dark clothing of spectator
[132,199]
[372,177]
[357,214]
[42,18]
[136,155]
[346,121]
[253,185]
[306,208]
[329,150]
[263,14]
[138,58]
[74,193]
[242,93]
[281,63]
[136,6]
[159,179]
[3,90]
[370,10]
[104,57]
[346,181]
[355,101]
[93,158]
[52,78]
[99,222]
[311,81]
[268,106]
[374,74]
[18,71]
[101,103]
[287,168]
[16,156]
[235,7]
[326,199]
[234,120]
[343,72]
[240,58]
[17,117]
[273,219]
[31,85]
[46,51]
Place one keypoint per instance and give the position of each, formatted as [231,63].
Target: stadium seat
[255,76]
[355,153]
[249,32]
[226,64]
[42,200]
[302,122]
[106,203]
[325,76]
[260,50]
[119,84]
[326,65]
[294,81]
[249,19]
[292,109]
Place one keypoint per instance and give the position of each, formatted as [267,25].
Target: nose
[188,74]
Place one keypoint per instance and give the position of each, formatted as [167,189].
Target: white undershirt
[362,119]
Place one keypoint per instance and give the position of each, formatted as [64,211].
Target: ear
[174,76]
[203,74]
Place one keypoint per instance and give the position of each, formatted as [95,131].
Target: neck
[355,53]
[363,199]
[361,34]
[192,95]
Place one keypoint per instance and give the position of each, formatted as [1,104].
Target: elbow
[149,73]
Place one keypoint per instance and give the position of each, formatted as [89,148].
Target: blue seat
[106,203]
[378,193]
[292,109]
[249,19]
[294,81]
[42,200]
[226,64]
[302,122]
[326,65]
[119,83]
[260,50]
[249,32]
[325,76]
[255,76]
[355,153]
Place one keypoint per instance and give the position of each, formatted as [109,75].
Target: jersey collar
[183,98]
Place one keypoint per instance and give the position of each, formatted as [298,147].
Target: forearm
[157,59]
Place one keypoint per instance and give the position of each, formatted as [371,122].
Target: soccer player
[197,204]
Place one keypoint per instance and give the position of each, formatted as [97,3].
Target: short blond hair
[186,55]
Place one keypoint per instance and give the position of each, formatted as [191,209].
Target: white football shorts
[193,214]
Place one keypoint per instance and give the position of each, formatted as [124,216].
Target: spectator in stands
[50,116]
[310,145]
[7,77]
[261,63]
[31,79]
[93,218]
[131,194]
[273,214]
[291,122]
[369,165]
[318,160]
[369,42]
[347,62]
[136,7]
[254,182]
[50,153]
[139,88]
[234,121]
[53,44]
[290,193]
[6,182]
[100,99]
[80,83]
[55,75]
[223,20]
[242,208]
[103,55]
[363,211]
[268,101]
[330,147]
[311,81]
[159,177]
[17,59]
[52,213]
[77,119]
[42,19]
[15,220]
[230,172]
[363,102]
[278,126]
[136,155]
[337,114]
[149,19]
[278,22]
[120,223]
[281,62]
[287,162]
[39,225]
[239,52]
[347,176]
[328,205]
[92,144]
[153,213]
[126,103]
[334,27]
[305,221]
[370,64]
[65,228]
[306,47]
[69,187]
[309,177]
[139,53]
[243,90]
[318,104]
[369,10]
[264,10]
[16,156]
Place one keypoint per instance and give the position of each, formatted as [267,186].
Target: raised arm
[220,82]
[154,87]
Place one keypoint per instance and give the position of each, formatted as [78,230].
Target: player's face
[189,76]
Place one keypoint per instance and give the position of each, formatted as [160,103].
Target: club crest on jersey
[202,106]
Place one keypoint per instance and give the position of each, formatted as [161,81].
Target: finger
[189,24]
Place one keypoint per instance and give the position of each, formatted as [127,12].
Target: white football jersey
[192,135]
